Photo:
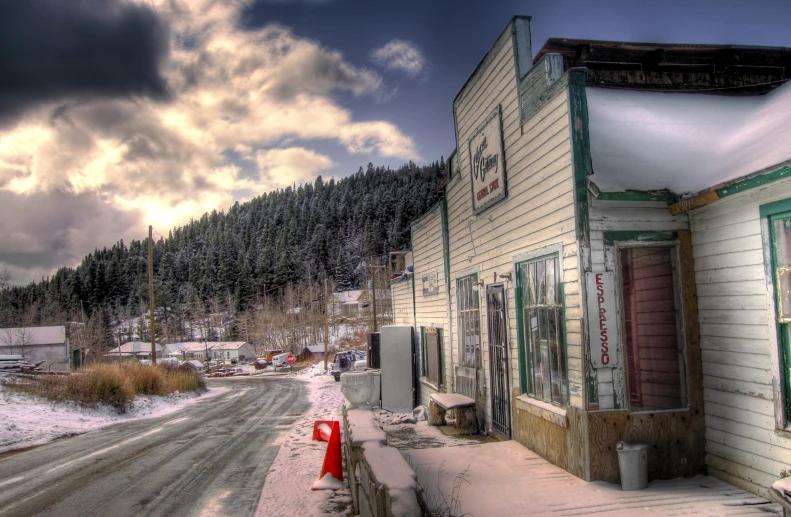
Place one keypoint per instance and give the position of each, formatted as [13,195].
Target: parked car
[344,361]
[260,363]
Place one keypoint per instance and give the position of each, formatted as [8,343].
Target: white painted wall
[403,312]
[432,310]
[538,212]
[738,340]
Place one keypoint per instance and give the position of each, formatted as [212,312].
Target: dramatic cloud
[400,55]
[78,49]
[237,100]
[294,165]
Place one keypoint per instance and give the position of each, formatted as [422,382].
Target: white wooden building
[607,269]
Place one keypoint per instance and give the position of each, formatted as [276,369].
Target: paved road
[210,458]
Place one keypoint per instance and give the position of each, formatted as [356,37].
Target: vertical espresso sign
[487,162]
[602,319]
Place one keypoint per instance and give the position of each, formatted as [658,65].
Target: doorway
[498,360]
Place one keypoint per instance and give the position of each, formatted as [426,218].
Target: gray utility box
[397,367]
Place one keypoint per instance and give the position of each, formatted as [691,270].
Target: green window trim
[526,365]
[773,212]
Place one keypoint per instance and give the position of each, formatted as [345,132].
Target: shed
[34,344]
[313,353]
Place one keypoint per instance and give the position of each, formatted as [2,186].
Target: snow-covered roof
[348,296]
[197,346]
[33,336]
[229,345]
[133,347]
[684,142]
[315,349]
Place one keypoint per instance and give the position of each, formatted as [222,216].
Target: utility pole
[373,288]
[326,326]
[151,291]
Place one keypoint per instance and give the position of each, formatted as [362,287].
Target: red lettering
[605,358]
[482,193]
[494,185]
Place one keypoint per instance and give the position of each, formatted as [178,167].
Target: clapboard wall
[431,309]
[738,340]
[537,214]
[403,308]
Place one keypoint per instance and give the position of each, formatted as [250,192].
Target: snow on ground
[287,491]
[411,430]
[26,421]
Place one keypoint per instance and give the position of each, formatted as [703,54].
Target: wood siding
[403,308]
[430,310]
[538,212]
[738,340]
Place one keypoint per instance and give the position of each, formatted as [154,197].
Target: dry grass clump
[111,384]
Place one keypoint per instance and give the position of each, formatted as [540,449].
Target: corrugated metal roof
[33,336]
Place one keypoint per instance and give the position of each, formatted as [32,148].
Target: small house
[345,303]
[134,350]
[312,353]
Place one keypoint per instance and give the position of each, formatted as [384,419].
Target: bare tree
[5,278]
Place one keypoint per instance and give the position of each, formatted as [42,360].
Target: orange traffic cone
[322,429]
[331,476]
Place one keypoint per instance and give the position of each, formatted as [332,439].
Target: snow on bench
[466,417]
[452,400]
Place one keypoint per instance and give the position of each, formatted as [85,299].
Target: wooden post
[373,288]
[326,326]
[151,292]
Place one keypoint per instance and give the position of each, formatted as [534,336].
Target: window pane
[540,283]
[654,349]
[550,283]
[782,231]
[784,292]
[433,371]
[557,355]
[544,344]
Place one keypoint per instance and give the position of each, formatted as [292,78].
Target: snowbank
[684,142]
[26,421]
[287,491]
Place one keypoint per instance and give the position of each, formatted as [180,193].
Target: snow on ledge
[684,142]
[391,470]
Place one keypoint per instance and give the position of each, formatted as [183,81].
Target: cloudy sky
[118,114]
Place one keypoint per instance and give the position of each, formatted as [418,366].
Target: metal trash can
[633,463]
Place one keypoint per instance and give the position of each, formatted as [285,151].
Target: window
[542,334]
[469,322]
[780,232]
[432,355]
[652,325]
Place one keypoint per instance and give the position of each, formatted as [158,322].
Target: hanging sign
[487,161]
[430,286]
[602,319]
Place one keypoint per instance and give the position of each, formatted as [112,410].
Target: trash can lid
[623,446]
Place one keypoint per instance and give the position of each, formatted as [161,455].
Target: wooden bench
[466,418]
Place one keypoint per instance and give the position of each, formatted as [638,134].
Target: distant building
[48,344]
[313,353]
[134,350]
[215,350]
[345,303]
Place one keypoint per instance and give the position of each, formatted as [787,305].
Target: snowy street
[209,458]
